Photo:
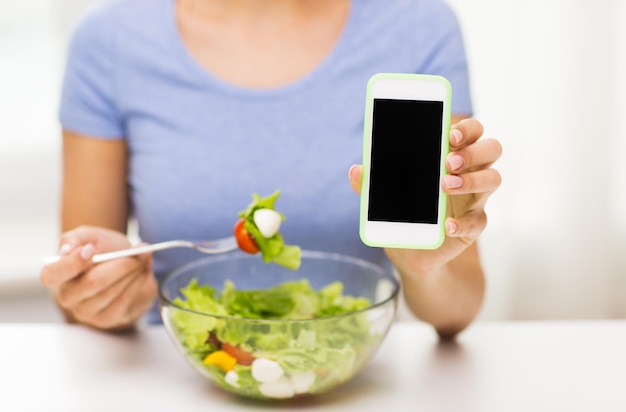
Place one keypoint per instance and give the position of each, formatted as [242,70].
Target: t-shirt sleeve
[88,96]
[445,54]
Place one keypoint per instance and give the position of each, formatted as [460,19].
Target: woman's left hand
[470,182]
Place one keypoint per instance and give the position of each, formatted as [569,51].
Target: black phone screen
[404,163]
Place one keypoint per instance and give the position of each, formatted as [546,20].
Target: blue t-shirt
[199,146]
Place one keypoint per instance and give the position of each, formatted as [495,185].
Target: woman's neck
[247,11]
[261,43]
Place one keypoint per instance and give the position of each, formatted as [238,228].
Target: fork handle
[137,250]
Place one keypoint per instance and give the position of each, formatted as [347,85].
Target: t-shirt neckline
[205,77]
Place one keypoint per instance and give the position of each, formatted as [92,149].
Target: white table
[509,366]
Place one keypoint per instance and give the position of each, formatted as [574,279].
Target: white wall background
[548,79]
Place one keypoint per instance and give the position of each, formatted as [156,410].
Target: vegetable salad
[248,350]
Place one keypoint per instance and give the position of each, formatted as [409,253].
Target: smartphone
[405,143]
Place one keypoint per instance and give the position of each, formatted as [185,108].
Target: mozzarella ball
[267,221]
[265,370]
[232,378]
[279,389]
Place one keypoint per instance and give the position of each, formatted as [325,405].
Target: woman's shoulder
[106,16]
[410,8]
[410,16]
[104,11]
[421,21]
[106,25]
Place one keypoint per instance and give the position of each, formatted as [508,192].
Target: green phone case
[366,159]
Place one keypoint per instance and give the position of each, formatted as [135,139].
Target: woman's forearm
[448,298]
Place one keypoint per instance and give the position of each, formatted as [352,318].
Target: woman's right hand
[110,295]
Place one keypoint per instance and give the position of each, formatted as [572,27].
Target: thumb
[355,174]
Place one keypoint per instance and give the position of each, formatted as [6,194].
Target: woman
[175,111]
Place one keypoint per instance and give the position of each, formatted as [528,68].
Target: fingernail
[352,172]
[455,162]
[451,228]
[65,249]
[456,136]
[452,181]
[87,251]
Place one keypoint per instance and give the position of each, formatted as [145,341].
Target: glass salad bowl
[263,331]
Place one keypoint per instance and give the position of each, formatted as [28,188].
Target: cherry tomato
[243,357]
[244,239]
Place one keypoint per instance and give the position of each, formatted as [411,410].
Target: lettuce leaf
[291,300]
[194,328]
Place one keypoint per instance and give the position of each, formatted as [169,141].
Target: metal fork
[207,246]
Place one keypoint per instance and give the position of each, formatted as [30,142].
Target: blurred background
[548,79]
